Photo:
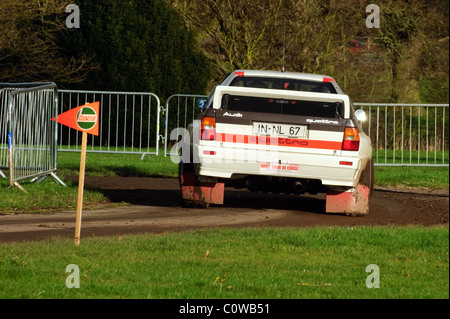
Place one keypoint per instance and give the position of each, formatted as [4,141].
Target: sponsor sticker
[279,165]
[232,114]
[86,118]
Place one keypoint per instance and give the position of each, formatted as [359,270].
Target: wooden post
[80,189]
[85,119]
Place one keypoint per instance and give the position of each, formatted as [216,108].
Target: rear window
[284,84]
[282,106]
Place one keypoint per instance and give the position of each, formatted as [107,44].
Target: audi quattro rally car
[279,132]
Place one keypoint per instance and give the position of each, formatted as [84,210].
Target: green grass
[413,157]
[412,176]
[45,196]
[103,164]
[248,263]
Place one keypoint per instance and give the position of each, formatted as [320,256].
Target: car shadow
[165,192]
[232,199]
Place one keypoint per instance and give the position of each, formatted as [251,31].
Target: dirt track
[153,206]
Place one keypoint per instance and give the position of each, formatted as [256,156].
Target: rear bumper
[331,170]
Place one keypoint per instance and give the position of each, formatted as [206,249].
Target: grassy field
[267,263]
[410,157]
[412,176]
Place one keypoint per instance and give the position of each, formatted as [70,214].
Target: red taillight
[208,128]
[351,139]
[239,74]
[328,79]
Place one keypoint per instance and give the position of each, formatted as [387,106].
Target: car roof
[279,74]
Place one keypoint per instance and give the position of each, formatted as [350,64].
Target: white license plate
[274,129]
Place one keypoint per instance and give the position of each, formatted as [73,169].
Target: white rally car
[279,132]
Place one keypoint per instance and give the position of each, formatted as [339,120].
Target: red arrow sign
[82,118]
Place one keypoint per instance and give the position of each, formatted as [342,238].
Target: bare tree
[29,48]
[301,35]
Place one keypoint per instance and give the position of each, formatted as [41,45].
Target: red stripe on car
[277,141]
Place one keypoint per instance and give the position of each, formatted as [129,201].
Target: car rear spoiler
[281,94]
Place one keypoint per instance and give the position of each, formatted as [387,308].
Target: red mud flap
[202,193]
[353,202]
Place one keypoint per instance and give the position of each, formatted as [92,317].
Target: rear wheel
[368,176]
[184,169]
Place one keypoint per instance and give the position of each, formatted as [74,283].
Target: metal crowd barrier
[179,112]
[402,134]
[27,133]
[4,95]
[408,134]
[129,122]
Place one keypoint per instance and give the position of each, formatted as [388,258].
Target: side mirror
[201,104]
[360,115]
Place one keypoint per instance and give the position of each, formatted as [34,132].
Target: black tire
[368,176]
